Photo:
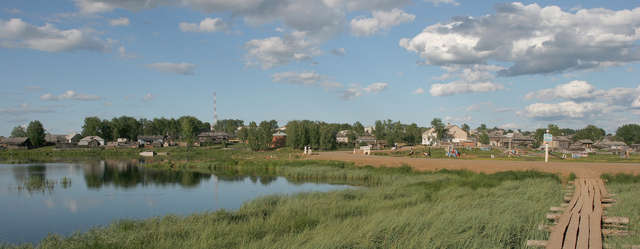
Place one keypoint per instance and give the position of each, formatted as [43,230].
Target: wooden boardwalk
[580,226]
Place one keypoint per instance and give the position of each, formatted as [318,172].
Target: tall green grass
[627,190]
[398,208]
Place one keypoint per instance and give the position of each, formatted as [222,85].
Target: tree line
[300,133]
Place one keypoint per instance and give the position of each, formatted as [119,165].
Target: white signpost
[547,139]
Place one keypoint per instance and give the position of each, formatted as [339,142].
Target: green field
[627,202]
[390,208]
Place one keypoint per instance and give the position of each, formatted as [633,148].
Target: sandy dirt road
[583,170]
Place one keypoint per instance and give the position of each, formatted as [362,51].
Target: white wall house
[429,137]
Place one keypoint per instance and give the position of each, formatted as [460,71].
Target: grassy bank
[399,208]
[627,202]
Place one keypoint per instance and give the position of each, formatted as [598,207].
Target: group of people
[307,150]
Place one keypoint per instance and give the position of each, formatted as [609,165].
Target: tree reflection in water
[33,178]
[127,174]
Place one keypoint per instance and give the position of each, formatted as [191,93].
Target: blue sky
[507,64]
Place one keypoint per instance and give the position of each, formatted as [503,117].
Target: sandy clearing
[586,170]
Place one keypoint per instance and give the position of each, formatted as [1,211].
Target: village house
[456,134]
[369,130]
[609,143]
[91,141]
[151,141]
[560,143]
[496,138]
[213,137]
[73,138]
[582,145]
[55,139]
[16,143]
[516,139]
[429,137]
[279,139]
[372,141]
[343,137]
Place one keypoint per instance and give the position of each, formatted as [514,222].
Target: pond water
[61,198]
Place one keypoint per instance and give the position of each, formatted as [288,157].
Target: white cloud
[580,91]
[13,11]
[178,68]
[276,51]
[453,88]
[24,109]
[122,21]
[351,93]
[376,87]
[339,51]
[508,126]
[418,91]
[16,33]
[355,90]
[381,21]
[70,94]
[438,2]
[148,97]
[305,78]
[122,52]
[533,39]
[567,109]
[206,25]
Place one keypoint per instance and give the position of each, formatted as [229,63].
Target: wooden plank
[585,213]
[553,216]
[556,209]
[571,234]
[595,238]
[556,238]
[615,220]
[536,243]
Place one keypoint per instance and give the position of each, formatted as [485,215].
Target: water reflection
[127,174]
[33,179]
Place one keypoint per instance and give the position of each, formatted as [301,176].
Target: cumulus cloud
[276,51]
[355,90]
[148,97]
[122,52]
[418,91]
[567,109]
[376,87]
[305,78]
[579,91]
[178,68]
[24,109]
[16,33]
[69,95]
[533,39]
[580,99]
[122,21]
[453,88]
[380,21]
[206,25]
[466,79]
[339,51]
[438,2]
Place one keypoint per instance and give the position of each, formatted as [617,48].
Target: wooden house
[16,143]
[279,139]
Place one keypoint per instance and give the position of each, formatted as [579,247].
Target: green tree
[18,131]
[441,130]
[228,125]
[484,138]
[35,133]
[125,127]
[629,134]
[590,132]
[328,137]
[358,128]
[466,128]
[253,138]
[243,133]
[92,127]
[189,128]
[265,133]
[482,128]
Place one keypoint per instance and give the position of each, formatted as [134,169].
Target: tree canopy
[629,133]
[18,131]
[35,133]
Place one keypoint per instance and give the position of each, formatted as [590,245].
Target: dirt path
[583,170]
[580,224]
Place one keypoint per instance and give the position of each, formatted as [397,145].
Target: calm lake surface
[37,199]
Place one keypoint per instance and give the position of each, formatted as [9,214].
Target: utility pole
[215,112]
[548,138]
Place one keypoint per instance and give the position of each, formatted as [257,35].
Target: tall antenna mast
[215,112]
